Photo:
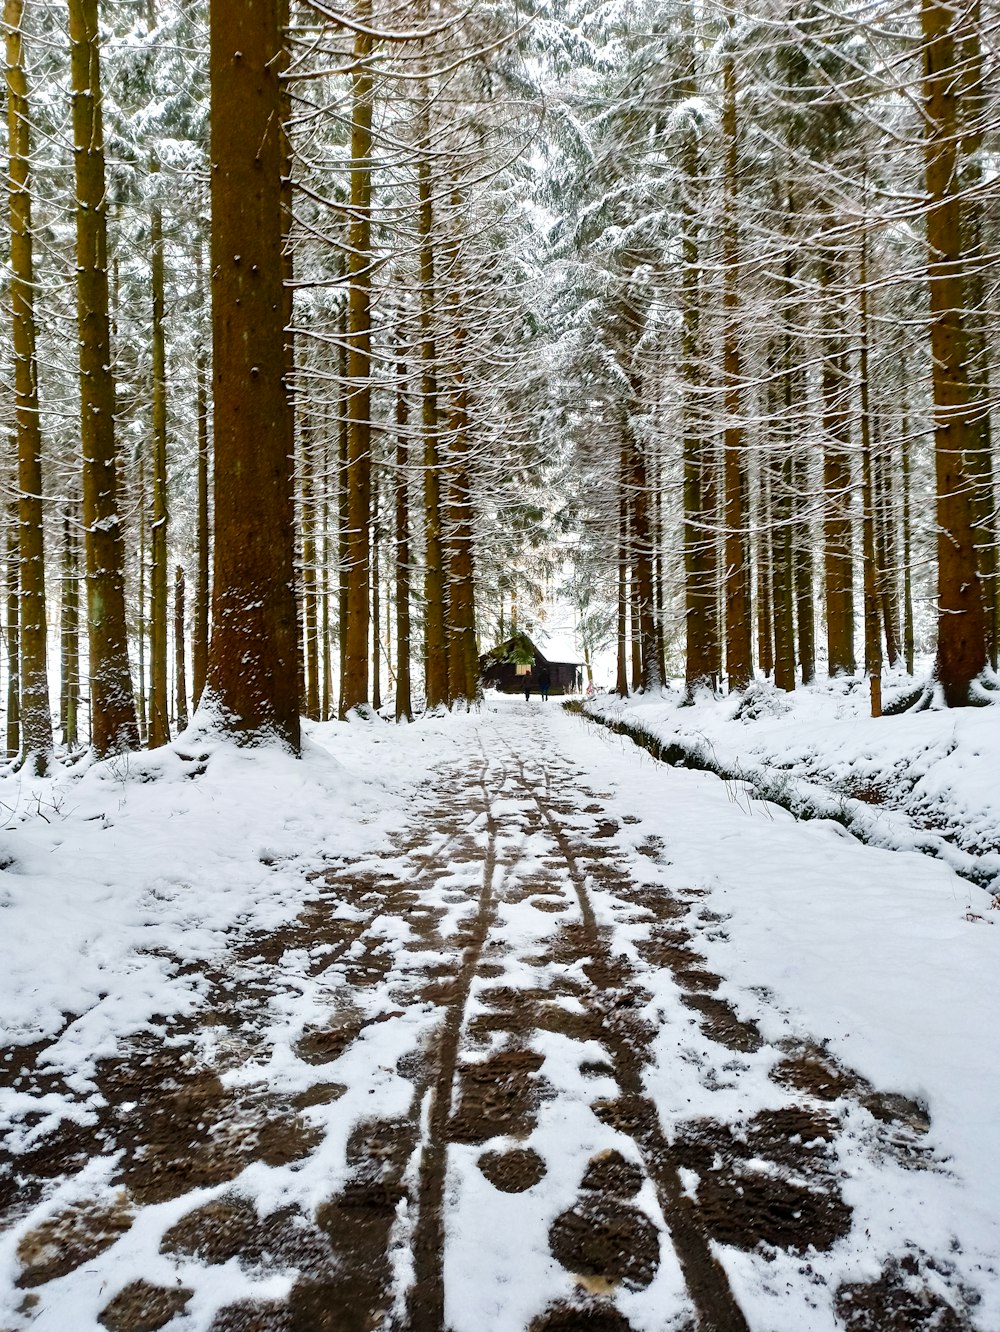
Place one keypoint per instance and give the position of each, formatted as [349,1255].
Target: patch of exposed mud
[72,1237]
[767,1182]
[515,1171]
[497,1097]
[143,1307]
[719,1021]
[571,1318]
[901,1300]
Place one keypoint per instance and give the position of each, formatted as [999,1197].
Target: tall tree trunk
[870,577]
[463,663]
[885,546]
[621,680]
[159,729]
[343,526]
[142,701]
[644,628]
[909,645]
[180,664]
[309,606]
[838,548]
[699,543]
[765,618]
[112,706]
[961,652]
[252,667]
[780,466]
[13,638]
[199,635]
[975,120]
[435,610]
[376,598]
[326,710]
[36,715]
[404,705]
[70,636]
[359,260]
[739,650]
[802,555]
[635,642]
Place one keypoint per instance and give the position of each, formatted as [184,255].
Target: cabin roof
[497,655]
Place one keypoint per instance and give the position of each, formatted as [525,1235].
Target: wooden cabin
[508,666]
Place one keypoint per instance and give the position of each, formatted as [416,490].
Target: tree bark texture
[69,692]
[252,667]
[112,706]
[159,706]
[739,629]
[180,655]
[961,653]
[199,632]
[359,463]
[404,705]
[36,716]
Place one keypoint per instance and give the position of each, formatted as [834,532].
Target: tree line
[340,337]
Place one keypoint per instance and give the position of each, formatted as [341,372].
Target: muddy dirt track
[472,984]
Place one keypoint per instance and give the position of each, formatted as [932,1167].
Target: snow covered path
[587,1043]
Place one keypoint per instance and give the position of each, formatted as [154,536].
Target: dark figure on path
[527,688]
[544,683]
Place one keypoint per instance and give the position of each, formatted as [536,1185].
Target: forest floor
[490,1023]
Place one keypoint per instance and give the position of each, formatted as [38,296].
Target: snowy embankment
[924,781]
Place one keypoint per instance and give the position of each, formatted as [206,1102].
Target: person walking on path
[544,683]
[527,688]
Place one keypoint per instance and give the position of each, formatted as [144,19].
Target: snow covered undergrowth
[884,959]
[112,869]
[918,781]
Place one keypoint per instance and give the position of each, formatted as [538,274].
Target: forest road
[480,1141]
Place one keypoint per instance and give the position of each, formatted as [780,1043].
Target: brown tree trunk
[635,642]
[199,635]
[781,468]
[342,526]
[961,653]
[909,645]
[180,664]
[252,667]
[112,706]
[327,700]
[36,716]
[309,606]
[870,576]
[885,548]
[463,664]
[159,729]
[435,610]
[354,686]
[621,680]
[376,598]
[802,555]
[69,698]
[838,551]
[765,618]
[976,94]
[142,708]
[644,628]
[404,705]
[699,541]
[739,650]
[13,638]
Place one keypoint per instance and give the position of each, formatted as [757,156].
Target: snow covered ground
[852,1015]
[923,780]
